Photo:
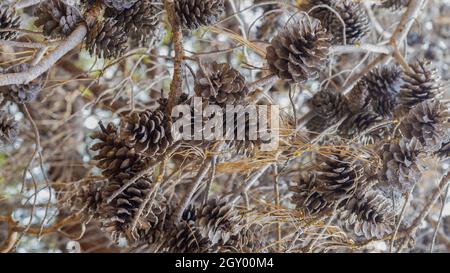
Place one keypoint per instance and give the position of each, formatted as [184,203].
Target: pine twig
[425,211]
[177,80]
[74,39]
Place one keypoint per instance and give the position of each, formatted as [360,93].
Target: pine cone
[8,128]
[429,123]
[148,132]
[338,176]
[307,199]
[221,84]
[114,157]
[299,51]
[394,4]
[8,19]
[118,216]
[399,163]
[218,220]
[368,215]
[330,105]
[383,84]
[359,123]
[23,93]
[88,197]
[106,39]
[119,4]
[187,238]
[356,21]
[423,83]
[196,13]
[358,99]
[333,181]
[58,18]
[317,124]
[141,20]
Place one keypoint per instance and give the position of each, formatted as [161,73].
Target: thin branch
[14,229]
[400,218]
[24,44]
[177,37]
[249,183]
[380,49]
[425,211]
[184,202]
[436,229]
[74,39]
[270,79]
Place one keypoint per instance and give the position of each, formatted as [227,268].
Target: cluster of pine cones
[114,25]
[131,204]
[397,112]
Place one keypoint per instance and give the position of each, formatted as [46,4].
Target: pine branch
[74,39]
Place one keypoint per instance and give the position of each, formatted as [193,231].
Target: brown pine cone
[299,51]
[359,98]
[333,180]
[356,125]
[148,132]
[57,18]
[8,128]
[106,39]
[119,4]
[187,237]
[400,168]
[429,123]
[114,155]
[356,21]
[317,124]
[88,197]
[218,220]
[8,19]
[307,199]
[383,85]
[196,13]
[423,83]
[394,4]
[368,215]
[330,105]
[141,20]
[221,84]
[135,211]
[338,176]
